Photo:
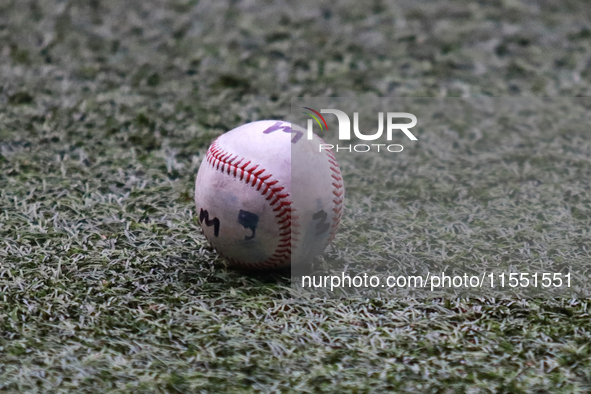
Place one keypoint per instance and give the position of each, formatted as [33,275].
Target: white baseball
[267,197]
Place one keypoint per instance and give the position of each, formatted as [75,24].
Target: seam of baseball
[338,193]
[256,176]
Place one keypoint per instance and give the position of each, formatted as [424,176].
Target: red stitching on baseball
[281,203]
[338,193]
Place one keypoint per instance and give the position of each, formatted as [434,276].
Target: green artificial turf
[491,186]
[106,110]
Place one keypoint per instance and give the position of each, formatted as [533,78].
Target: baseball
[266,196]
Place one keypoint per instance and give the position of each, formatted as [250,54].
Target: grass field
[106,110]
[482,191]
